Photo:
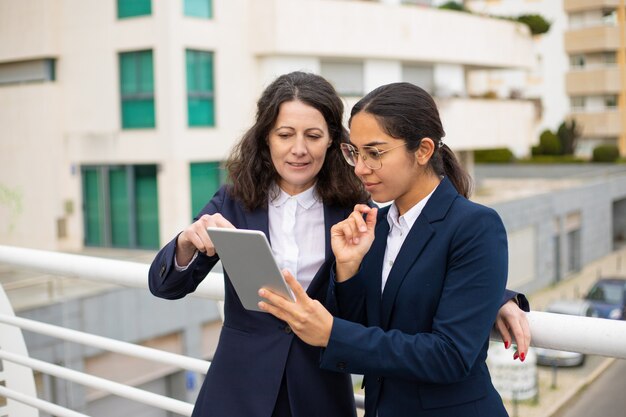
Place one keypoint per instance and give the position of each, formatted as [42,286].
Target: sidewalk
[569,381]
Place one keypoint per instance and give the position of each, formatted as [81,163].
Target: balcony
[592,39]
[601,337]
[599,124]
[294,28]
[579,5]
[593,81]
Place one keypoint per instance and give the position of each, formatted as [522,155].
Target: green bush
[453,5]
[536,23]
[605,153]
[495,155]
[549,143]
[552,159]
[568,133]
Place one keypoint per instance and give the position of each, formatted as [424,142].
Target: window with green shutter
[200,91]
[120,206]
[133,8]
[205,180]
[199,8]
[137,89]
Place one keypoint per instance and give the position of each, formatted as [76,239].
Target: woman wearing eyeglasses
[287,169]
[416,285]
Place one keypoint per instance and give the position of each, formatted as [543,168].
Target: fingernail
[261,293]
[522,356]
[515,355]
[507,344]
[363,229]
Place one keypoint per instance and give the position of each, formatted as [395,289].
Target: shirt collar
[407,220]
[305,199]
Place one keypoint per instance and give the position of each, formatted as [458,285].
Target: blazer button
[341,365]
[287,329]
[162,270]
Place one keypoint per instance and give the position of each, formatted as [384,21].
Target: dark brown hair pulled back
[405,111]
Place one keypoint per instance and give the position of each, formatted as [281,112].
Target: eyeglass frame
[354,150]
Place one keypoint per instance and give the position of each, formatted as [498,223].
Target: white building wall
[54,128]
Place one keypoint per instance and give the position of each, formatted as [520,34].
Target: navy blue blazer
[422,343]
[256,350]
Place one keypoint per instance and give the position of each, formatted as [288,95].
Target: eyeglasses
[371,155]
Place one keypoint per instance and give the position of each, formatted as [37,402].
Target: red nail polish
[522,356]
[515,355]
[506,344]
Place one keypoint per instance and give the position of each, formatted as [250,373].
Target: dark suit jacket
[422,343]
[256,350]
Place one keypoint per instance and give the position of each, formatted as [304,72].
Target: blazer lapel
[416,240]
[373,267]
[422,231]
[332,216]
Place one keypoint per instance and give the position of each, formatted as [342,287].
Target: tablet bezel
[248,260]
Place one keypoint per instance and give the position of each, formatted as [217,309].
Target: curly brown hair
[250,167]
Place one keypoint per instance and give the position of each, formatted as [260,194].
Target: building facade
[116,115]
[595,42]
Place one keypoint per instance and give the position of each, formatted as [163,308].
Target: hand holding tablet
[248,260]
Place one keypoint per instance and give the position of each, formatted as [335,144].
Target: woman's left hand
[512,324]
[307,317]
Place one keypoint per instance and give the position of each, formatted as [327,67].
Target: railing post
[15,377]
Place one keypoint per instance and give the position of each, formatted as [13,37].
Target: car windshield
[607,293]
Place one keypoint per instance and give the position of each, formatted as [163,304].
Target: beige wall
[593,81]
[599,124]
[578,5]
[594,39]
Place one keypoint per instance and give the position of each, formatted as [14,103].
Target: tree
[568,133]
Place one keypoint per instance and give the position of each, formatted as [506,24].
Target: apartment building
[117,115]
[595,42]
[545,80]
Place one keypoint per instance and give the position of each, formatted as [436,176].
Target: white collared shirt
[399,227]
[297,233]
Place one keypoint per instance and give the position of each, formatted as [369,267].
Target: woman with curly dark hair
[289,180]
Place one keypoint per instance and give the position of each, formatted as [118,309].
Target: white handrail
[110,271]
[46,406]
[112,345]
[132,393]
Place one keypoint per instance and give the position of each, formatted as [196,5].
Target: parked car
[608,296]
[551,357]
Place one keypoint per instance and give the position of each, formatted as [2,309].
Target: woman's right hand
[351,239]
[195,238]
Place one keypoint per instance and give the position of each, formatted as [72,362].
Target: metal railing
[555,331]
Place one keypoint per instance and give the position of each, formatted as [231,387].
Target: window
[346,77]
[137,89]
[200,94]
[133,8]
[577,103]
[39,70]
[420,75]
[199,8]
[609,17]
[610,101]
[121,206]
[577,61]
[609,58]
[205,180]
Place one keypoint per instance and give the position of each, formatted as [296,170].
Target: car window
[607,293]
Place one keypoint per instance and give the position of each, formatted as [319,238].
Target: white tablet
[247,258]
